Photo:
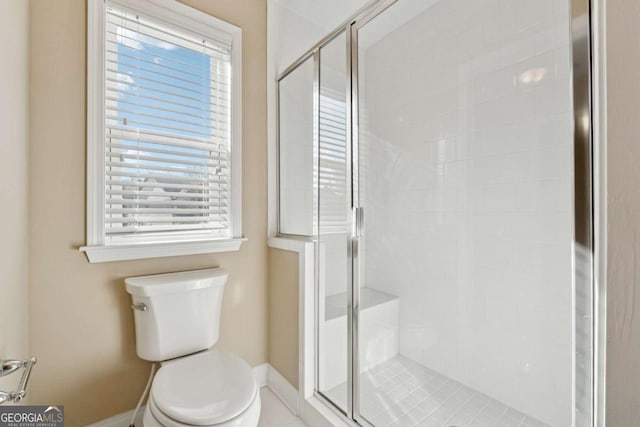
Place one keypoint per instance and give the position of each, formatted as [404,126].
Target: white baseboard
[265,375]
[283,389]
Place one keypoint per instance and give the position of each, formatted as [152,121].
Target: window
[164,150]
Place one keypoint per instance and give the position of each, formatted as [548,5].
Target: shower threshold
[401,392]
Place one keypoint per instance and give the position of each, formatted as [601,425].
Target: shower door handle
[358,219]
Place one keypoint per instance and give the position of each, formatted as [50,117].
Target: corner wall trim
[261,373]
[283,389]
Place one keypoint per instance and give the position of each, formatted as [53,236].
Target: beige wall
[82,326]
[283,313]
[623,151]
[14,183]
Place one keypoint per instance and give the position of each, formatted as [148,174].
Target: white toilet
[177,319]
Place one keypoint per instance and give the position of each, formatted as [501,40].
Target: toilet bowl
[177,319]
[207,389]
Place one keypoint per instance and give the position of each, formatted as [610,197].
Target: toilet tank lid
[173,283]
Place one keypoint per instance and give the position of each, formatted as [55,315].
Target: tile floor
[274,413]
[403,393]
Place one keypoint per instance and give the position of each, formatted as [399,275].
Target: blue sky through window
[166,87]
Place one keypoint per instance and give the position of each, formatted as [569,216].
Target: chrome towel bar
[11,366]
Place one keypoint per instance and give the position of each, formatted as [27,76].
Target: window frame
[185,18]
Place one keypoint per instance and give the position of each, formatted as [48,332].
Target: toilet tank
[177,313]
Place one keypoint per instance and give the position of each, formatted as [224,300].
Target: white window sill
[156,250]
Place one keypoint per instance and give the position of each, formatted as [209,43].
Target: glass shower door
[334,224]
[464,178]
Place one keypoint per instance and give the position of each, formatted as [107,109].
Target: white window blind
[167,131]
[333,179]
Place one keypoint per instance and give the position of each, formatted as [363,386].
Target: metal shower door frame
[583,241]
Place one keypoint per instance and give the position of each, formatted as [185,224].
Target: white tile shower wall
[467,145]
[296,151]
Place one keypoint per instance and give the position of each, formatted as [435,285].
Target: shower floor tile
[401,392]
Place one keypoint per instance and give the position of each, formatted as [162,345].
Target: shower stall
[438,154]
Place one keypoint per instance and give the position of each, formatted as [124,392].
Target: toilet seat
[205,389]
[153,417]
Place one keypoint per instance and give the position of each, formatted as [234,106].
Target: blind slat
[159,219]
[137,156]
[137,229]
[166,177]
[167,185]
[142,199]
[156,137]
[143,168]
[157,125]
[140,212]
[143,147]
